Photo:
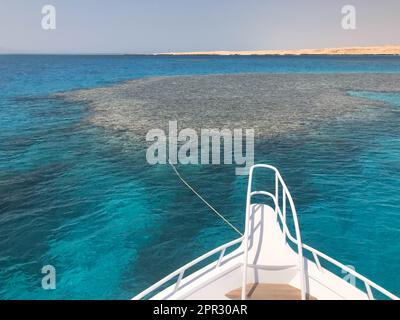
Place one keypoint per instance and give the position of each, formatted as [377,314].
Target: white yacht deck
[268,261]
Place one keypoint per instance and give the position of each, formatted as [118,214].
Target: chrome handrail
[315,253]
[296,240]
[250,194]
[180,272]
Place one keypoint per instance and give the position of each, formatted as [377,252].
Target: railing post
[316,259]
[276,192]
[220,257]
[245,256]
[284,206]
[246,235]
[299,246]
[369,291]
[284,213]
[178,282]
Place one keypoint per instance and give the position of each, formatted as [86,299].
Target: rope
[202,199]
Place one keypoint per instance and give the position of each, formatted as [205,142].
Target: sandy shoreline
[371,50]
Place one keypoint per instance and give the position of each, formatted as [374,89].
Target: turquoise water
[74,196]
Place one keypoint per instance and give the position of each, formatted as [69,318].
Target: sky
[151,26]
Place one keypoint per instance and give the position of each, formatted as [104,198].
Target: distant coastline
[370,50]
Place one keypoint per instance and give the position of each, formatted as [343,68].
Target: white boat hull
[268,261]
[271,260]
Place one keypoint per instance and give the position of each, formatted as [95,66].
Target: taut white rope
[202,199]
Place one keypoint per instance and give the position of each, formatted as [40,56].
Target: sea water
[77,193]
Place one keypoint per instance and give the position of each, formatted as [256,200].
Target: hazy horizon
[145,27]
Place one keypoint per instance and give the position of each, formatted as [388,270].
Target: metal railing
[297,240]
[181,271]
[281,213]
[286,194]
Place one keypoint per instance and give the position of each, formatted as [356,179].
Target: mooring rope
[202,199]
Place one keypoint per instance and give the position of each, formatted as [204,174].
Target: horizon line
[350,50]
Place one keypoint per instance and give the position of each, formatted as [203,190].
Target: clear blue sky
[145,26]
